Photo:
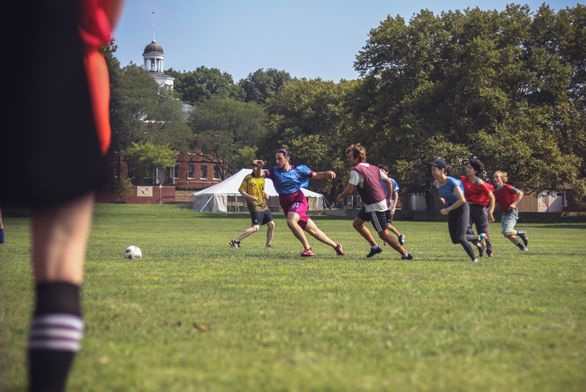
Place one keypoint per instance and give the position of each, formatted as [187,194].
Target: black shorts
[50,153]
[389,216]
[261,217]
[377,218]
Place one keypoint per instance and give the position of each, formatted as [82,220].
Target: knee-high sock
[55,335]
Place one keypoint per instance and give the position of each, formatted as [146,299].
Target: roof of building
[153,47]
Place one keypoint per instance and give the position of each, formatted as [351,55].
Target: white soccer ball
[132,253]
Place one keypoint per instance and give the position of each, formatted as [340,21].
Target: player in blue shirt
[451,192]
[288,181]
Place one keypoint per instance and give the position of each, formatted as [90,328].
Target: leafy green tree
[503,85]
[167,124]
[261,85]
[132,99]
[143,158]
[310,118]
[224,126]
[204,83]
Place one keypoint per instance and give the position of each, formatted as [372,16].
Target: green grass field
[196,315]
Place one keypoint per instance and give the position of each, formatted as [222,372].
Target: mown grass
[194,314]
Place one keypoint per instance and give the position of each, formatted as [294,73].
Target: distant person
[367,180]
[507,197]
[253,190]
[392,200]
[53,159]
[288,180]
[451,192]
[480,198]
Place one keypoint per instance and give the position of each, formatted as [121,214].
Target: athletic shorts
[260,218]
[389,216]
[297,203]
[508,221]
[377,218]
[50,152]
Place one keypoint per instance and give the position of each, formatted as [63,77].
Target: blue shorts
[508,221]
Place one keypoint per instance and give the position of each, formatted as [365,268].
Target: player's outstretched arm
[324,175]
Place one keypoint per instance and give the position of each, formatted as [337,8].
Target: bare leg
[59,240]
[392,241]
[393,229]
[358,224]
[512,236]
[248,232]
[270,232]
[292,222]
[319,235]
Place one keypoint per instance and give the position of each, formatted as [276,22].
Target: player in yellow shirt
[253,190]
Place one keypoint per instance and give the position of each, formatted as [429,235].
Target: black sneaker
[401,239]
[234,244]
[407,256]
[374,251]
[523,236]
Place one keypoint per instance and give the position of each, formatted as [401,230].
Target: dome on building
[153,47]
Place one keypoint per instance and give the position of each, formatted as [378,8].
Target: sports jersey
[476,193]
[505,196]
[367,179]
[447,190]
[395,187]
[290,181]
[254,186]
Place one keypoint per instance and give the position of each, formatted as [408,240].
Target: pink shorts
[297,203]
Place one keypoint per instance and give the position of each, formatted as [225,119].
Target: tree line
[505,86]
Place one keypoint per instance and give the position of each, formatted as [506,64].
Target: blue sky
[307,38]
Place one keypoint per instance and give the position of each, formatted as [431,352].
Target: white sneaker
[475,261]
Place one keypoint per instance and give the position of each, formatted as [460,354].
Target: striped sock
[55,335]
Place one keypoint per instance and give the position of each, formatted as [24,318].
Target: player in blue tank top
[288,181]
[451,192]
[291,181]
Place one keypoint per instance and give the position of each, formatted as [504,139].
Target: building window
[191,172]
[176,171]
[216,172]
[203,173]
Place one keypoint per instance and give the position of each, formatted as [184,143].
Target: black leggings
[458,221]
[479,217]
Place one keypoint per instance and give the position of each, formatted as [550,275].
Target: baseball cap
[439,163]
[257,162]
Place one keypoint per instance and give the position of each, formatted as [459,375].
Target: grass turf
[194,314]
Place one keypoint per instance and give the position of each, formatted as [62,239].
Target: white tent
[217,197]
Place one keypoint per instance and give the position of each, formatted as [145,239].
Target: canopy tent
[217,197]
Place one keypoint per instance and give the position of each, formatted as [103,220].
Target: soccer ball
[132,253]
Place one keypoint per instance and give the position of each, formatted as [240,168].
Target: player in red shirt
[507,198]
[52,160]
[479,196]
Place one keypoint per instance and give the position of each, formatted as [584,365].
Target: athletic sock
[375,247]
[1,235]
[55,335]
[521,233]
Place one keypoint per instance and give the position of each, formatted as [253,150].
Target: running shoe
[523,236]
[475,261]
[307,252]
[339,250]
[374,251]
[401,239]
[234,244]
[407,256]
